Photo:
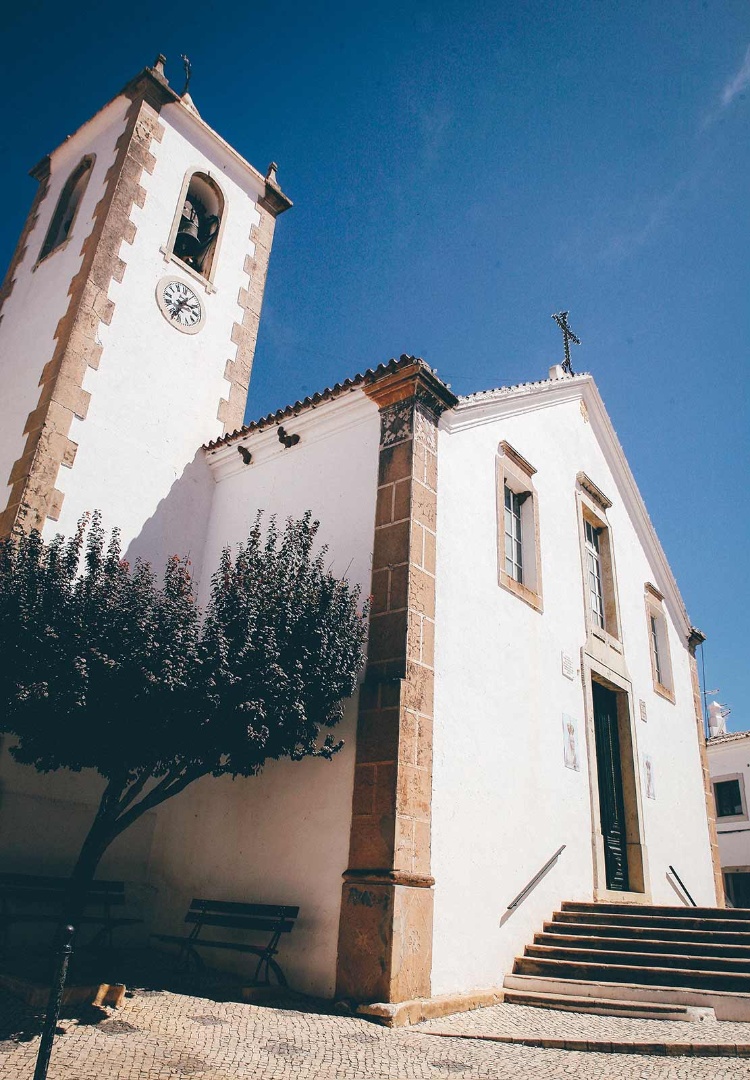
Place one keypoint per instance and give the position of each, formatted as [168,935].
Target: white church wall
[156,392]
[282,836]
[39,298]
[503,800]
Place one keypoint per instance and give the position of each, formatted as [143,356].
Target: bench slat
[41,882]
[55,896]
[241,922]
[239,946]
[229,907]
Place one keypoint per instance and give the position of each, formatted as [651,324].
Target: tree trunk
[100,836]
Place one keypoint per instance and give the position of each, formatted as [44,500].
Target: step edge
[565,984]
[628,953]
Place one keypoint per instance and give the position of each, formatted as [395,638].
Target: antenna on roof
[188,72]
[561,318]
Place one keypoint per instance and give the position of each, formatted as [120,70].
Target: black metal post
[680,883]
[54,1002]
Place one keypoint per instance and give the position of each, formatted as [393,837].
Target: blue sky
[460,170]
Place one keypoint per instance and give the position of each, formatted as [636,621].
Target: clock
[180,305]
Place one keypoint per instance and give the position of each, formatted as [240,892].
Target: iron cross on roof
[562,321]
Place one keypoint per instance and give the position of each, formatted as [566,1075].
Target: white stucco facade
[503,800]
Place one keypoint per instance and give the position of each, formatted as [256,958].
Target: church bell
[187,243]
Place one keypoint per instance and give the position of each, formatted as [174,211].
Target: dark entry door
[611,801]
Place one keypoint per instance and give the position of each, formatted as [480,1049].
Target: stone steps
[648,932]
[640,956]
[696,947]
[659,957]
[604,971]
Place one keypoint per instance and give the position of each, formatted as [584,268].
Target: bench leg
[267,966]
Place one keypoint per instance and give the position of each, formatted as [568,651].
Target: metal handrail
[537,877]
[682,886]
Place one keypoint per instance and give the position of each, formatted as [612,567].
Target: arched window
[61,226]
[196,229]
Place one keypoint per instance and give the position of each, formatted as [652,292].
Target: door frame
[635,842]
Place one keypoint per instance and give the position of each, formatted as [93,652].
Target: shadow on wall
[179,524]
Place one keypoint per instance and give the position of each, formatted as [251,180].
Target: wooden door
[611,801]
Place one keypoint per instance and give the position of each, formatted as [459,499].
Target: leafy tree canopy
[105,667]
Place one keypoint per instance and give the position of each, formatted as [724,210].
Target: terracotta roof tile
[330,392]
[730,736]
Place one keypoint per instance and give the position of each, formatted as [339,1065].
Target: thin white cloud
[737,83]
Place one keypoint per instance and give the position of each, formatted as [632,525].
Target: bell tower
[129,314]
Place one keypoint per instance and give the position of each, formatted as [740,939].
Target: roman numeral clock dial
[180,305]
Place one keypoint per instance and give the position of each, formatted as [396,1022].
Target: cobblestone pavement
[524,1020]
[161,1036]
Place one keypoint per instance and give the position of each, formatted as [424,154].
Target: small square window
[728,798]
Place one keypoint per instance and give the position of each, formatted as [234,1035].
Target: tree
[106,668]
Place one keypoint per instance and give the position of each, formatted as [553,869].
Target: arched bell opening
[198,224]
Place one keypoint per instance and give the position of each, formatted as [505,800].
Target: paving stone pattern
[162,1036]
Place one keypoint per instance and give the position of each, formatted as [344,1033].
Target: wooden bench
[30,898]
[270,920]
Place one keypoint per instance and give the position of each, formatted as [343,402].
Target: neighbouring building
[729,765]
[531,686]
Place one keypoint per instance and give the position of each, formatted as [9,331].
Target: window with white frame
[519,558]
[658,642]
[602,615]
[513,532]
[594,572]
[729,795]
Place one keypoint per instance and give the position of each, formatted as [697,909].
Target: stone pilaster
[385,935]
[696,638]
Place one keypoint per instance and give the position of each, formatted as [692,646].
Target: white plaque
[568,667]
[642,705]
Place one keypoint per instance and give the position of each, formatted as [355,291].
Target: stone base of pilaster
[385,940]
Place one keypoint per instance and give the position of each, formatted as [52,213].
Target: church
[527,731]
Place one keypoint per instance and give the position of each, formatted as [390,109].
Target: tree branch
[134,790]
[164,790]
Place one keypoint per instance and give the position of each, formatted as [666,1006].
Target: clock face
[180,305]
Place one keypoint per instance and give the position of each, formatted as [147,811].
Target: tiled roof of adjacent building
[730,736]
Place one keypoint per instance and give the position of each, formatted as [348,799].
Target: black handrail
[537,877]
[682,886]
